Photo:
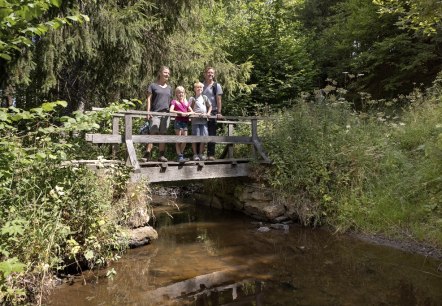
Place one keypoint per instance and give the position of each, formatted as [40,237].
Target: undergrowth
[378,170]
[55,216]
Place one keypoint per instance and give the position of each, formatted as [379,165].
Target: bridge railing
[129,138]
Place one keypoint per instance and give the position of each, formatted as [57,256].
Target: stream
[212,257]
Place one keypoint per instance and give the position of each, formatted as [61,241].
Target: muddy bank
[404,245]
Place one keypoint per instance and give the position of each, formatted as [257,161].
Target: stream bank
[207,256]
[263,204]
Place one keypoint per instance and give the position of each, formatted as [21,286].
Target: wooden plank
[132,154]
[258,146]
[139,113]
[254,136]
[193,162]
[91,161]
[230,132]
[132,158]
[235,118]
[115,131]
[107,138]
[104,138]
[191,139]
[191,172]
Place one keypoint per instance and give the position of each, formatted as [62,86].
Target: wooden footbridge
[154,171]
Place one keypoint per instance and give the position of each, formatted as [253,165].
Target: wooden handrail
[129,138]
[224,119]
[108,138]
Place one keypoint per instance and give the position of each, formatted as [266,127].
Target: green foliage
[20,23]
[368,171]
[356,40]
[117,54]
[52,213]
[269,35]
[110,57]
[201,36]
[418,15]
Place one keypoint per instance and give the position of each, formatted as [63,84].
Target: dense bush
[365,171]
[53,214]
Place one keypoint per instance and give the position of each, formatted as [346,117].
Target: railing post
[115,130]
[257,146]
[230,133]
[254,135]
[132,158]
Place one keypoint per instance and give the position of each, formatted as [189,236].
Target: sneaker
[147,156]
[162,159]
[211,158]
[203,157]
[196,157]
[181,158]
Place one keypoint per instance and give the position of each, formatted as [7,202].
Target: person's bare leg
[202,149]
[183,144]
[147,154]
[178,145]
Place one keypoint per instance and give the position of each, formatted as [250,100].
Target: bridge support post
[257,146]
[132,158]
[115,131]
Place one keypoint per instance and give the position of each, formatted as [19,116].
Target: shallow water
[212,257]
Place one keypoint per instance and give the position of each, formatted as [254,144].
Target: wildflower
[59,190]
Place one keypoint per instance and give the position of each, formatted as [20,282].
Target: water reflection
[210,257]
[214,289]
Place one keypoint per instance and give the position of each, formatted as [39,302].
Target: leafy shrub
[52,213]
[368,171]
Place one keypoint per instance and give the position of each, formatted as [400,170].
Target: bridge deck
[193,170]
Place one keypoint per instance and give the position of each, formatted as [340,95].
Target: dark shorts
[180,125]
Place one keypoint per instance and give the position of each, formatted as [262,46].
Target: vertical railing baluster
[132,156]
[230,132]
[254,135]
[115,131]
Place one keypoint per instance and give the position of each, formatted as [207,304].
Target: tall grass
[53,216]
[364,171]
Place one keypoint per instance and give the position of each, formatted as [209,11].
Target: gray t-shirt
[161,97]
[209,91]
[199,105]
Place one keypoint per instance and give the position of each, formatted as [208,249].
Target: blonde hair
[179,89]
[198,84]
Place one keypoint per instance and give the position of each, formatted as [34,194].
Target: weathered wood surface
[108,138]
[173,171]
[223,119]
[191,171]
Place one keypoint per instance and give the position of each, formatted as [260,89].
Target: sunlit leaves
[11,265]
[20,22]
[418,15]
